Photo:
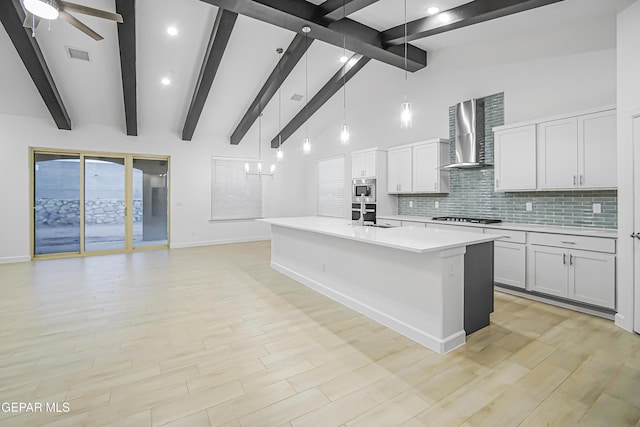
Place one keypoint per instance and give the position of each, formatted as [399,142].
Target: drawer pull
[632,235]
[570,259]
[568,243]
[564,258]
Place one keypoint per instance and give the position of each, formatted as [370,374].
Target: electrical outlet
[529,206]
[437,205]
[410,203]
[597,208]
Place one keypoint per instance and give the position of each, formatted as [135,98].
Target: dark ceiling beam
[295,14]
[12,17]
[461,16]
[127,43]
[334,84]
[225,21]
[287,62]
[338,9]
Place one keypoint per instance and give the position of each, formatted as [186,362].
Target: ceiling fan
[53,9]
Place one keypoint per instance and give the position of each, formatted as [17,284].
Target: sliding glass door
[98,203]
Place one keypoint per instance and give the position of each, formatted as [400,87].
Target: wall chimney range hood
[469,138]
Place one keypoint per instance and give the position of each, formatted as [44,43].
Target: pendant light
[406,115]
[306,144]
[344,129]
[247,168]
[279,153]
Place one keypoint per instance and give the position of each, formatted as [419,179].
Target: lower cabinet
[584,276]
[509,263]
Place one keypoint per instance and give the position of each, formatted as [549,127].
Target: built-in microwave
[364,188]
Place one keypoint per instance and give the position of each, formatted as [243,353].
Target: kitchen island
[433,286]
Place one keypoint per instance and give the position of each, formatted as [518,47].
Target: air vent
[297,97]
[74,53]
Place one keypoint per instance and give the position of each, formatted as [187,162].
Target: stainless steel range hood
[469,139]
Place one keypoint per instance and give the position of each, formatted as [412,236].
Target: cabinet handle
[564,258]
[574,180]
[637,235]
[570,259]
[581,180]
[568,243]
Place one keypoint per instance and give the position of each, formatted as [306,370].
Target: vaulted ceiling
[223,64]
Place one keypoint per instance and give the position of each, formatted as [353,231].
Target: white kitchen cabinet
[363,164]
[578,152]
[558,154]
[567,270]
[399,170]
[509,261]
[428,157]
[597,152]
[515,158]
[547,270]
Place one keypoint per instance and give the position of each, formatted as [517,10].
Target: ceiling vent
[296,97]
[74,53]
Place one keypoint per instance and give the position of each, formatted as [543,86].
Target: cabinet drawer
[597,244]
[512,236]
[389,222]
[413,224]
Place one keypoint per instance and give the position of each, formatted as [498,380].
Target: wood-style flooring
[212,336]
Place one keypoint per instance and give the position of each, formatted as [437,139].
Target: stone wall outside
[58,212]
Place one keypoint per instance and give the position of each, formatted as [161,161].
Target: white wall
[628,99]
[190,184]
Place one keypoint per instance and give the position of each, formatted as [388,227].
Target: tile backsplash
[471,192]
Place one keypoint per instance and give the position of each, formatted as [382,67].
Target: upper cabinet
[570,153]
[515,159]
[416,168]
[399,170]
[363,164]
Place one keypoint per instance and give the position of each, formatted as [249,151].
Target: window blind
[234,194]
[331,187]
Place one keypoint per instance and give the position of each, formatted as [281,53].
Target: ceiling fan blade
[85,10]
[79,25]
[31,22]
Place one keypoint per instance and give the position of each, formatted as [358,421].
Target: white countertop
[412,239]
[538,228]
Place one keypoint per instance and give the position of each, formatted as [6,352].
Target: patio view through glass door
[98,203]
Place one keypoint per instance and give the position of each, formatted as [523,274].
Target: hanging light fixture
[279,153]
[406,115]
[45,9]
[344,129]
[306,144]
[247,168]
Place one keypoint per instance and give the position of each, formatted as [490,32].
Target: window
[234,194]
[331,187]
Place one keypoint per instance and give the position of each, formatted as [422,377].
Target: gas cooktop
[465,219]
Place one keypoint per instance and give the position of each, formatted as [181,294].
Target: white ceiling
[92,92]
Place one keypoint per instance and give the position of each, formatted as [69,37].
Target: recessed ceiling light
[444,18]
[172,31]
[166,81]
[433,10]
[343,59]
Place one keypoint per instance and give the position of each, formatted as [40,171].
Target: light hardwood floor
[213,336]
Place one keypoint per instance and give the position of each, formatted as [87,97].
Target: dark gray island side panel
[478,286]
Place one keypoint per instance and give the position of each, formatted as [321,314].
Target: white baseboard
[621,322]
[219,242]
[9,260]
[432,343]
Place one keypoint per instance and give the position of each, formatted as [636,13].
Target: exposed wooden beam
[127,43]
[225,20]
[355,64]
[12,17]
[338,9]
[287,62]
[295,14]
[461,16]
